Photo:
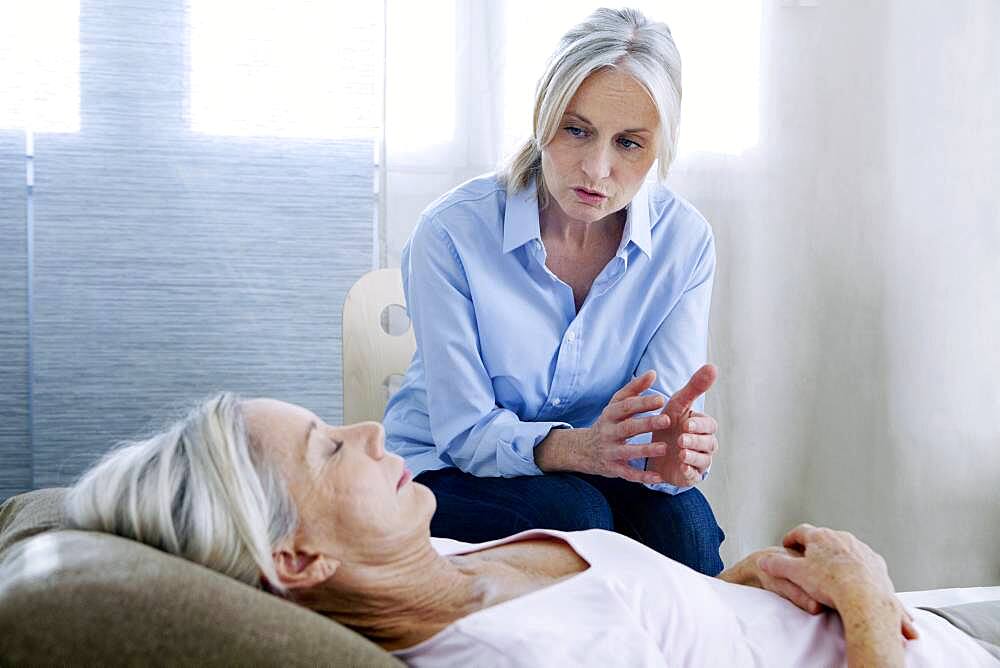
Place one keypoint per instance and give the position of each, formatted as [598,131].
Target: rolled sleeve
[469,429]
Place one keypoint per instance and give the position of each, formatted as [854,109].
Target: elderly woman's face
[354,499]
[606,143]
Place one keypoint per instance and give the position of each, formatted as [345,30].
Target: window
[40,65]
[285,68]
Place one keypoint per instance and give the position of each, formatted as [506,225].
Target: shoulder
[669,212]
[480,199]
[679,231]
[457,647]
[462,225]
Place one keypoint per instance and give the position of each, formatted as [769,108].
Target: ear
[303,570]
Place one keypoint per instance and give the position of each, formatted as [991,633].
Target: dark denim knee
[578,505]
[700,534]
[680,526]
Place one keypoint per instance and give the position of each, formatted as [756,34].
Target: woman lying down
[267,493]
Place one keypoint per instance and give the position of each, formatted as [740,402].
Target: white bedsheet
[955,596]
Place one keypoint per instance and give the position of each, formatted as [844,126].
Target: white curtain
[848,156]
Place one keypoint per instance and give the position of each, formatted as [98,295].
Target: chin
[580,211]
[426,497]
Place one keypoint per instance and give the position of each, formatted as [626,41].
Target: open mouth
[589,196]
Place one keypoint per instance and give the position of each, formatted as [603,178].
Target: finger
[626,472]
[782,566]
[698,460]
[692,476]
[796,595]
[799,536]
[706,444]
[636,426]
[619,410]
[907,625]
[910,628]
[638,451]
[636,386]
[701,424]
[698,385]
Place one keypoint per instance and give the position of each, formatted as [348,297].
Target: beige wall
[856,318]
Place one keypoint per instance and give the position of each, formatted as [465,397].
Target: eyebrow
[630,131]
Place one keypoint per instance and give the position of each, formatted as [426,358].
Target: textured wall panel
[170,265]
[15,455]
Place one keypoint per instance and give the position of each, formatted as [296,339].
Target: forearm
[870,620]
[871,629]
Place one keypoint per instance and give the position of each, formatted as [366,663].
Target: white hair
[608,38]
[200,489]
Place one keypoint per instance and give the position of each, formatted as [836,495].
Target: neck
[400,604]
[555,226]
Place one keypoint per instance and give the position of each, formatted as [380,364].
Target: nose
[597,162]
[374,439]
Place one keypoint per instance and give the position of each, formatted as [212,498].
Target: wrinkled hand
[606,452]
[834,567]
[690,437]
[748,572]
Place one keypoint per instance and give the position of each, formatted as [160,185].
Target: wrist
[554,452]
[860,598]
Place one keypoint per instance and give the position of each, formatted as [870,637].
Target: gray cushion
[75,597]
[981,620]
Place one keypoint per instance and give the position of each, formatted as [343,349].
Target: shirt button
[571,337]
[556,401]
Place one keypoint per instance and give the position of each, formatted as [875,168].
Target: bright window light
[40,65]
[285,68]
[420,74]
[719,42]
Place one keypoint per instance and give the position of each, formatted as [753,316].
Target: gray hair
[200,489]
[608,38]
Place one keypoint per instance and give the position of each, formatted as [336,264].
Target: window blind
[171,262]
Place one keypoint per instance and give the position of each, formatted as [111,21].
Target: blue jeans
[475,510]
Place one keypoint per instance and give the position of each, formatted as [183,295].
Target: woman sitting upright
[559,307]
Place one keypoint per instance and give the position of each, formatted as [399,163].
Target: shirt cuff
[516,457]
[667,488]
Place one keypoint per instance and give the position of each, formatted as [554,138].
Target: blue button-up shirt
[503,356]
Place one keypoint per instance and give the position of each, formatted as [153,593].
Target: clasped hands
[819,568]
[683,441]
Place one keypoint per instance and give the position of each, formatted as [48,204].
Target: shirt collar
[637,223]
[520,220]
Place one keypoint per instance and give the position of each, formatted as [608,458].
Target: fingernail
[691,425]
[688,440]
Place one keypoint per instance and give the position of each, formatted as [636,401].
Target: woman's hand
[602,448]
[690,436]
[748,572]
[838,570]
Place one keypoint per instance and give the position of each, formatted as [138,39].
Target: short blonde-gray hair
[608,38]
[200,489]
